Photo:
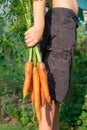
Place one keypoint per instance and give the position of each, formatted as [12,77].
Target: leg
[56,117]
[50,119]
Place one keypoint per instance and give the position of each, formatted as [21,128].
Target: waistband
[63,12]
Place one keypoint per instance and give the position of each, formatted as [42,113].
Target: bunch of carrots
[36,82]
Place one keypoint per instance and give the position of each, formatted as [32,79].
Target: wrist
[39,26]
[39,23]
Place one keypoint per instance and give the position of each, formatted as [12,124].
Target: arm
[38,10]
[34,34]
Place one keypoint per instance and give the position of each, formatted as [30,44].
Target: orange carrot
[42,97]
[31,91]
[36,92]
[44,81]
[31,96]
[28,76]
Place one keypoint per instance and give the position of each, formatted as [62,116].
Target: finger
[27,37]
[28,41]
[31,44]
[27,32]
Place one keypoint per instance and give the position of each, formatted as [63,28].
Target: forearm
[38,11]
[35,33]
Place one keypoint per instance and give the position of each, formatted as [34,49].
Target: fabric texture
[58,47]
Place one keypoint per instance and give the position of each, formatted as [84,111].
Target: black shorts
[58,47]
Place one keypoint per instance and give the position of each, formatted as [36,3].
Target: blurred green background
[16,114]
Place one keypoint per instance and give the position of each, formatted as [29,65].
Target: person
[56,34]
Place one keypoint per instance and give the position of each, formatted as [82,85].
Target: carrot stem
[34,57]
[28,14]
[30,54]
[38,53]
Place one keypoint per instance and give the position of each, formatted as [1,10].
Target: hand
[33,35]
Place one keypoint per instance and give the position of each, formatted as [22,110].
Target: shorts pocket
[58,61]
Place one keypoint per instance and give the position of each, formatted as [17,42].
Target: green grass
[12,127]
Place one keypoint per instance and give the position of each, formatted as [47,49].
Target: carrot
[42,98]
[31,96]
[31,91]
[36,92]
[41,92]
[28,76]
[44,81]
